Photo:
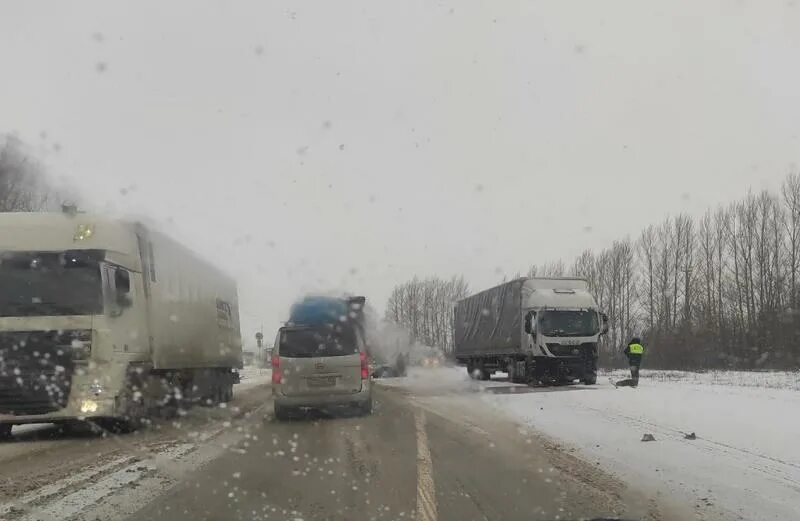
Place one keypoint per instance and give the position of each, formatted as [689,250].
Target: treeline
[715,291]
[23,186]
[718,291]
[424,307]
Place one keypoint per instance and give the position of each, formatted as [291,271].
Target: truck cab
[71,316]
[562,322]
[106,320]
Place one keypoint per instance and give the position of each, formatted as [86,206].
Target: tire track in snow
[47,491]
[72,504]
[121,487]
[426,492]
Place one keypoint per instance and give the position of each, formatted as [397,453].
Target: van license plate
[327,381]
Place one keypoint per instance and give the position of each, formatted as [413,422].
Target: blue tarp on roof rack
[314,311]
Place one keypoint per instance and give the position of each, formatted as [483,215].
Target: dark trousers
[633,381]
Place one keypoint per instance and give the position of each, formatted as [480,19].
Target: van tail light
[364,366]
[276,369]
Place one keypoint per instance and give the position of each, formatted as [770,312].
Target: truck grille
[35,371]
[562,350]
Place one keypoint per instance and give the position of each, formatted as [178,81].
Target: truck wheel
[217,395]
[135,411]
[485,375]
[227,393]
[590,366]
[281,413]
[124,425]
[471,371]
[5,431]
[169,410]
[513,376]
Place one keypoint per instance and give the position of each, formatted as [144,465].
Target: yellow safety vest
[636,349]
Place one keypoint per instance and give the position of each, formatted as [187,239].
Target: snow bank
[763,379]
[252,376]
[743,464]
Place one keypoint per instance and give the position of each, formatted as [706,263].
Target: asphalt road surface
[407,461]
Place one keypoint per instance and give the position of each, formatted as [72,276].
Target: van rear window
[308,343]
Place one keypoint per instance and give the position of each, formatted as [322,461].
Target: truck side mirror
[122,281]
[529,326]
[605,324]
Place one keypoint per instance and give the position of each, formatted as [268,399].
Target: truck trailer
[109,321]
[538,330]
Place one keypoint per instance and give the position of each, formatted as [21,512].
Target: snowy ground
[743,464]
[252,376]
[764,379]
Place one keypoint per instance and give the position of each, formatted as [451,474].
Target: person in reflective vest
[634,352]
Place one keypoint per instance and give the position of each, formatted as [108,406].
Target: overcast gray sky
[350,145]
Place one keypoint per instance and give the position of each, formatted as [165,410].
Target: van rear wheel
[366,407]
[5,431]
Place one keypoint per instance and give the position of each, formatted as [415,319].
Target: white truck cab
[104,319]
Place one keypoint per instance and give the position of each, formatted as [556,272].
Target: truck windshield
[569,323]
[48,284]
[308,343]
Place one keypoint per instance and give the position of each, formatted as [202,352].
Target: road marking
[54,488]
[426,493]
[74,503]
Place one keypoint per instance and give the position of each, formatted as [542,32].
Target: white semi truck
[538,330]
[109,321]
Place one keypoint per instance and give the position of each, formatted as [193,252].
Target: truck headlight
[88,406]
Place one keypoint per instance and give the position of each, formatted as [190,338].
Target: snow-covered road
[48,475]
[743,464]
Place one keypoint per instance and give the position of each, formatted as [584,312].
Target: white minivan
[320,367]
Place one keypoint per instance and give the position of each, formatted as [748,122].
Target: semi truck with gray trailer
[538,330]
[109,321]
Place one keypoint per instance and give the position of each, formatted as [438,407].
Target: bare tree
[548,269]
[23,187]
[647,251]
[425,308]
[791,199]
